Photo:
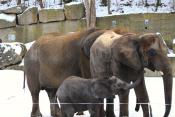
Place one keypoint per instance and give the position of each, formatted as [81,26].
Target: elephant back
[100,55]
[103,42]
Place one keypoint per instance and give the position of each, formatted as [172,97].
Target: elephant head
[146,51]
[154,53]
[104,88]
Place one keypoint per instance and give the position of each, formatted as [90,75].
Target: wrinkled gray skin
[126,56]
[78,94]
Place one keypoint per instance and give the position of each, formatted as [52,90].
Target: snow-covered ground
[117,6]
[16,102]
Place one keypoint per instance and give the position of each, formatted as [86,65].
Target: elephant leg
[53,102]
[124,99]
[34,90]
[96,110]
[101,111]
[80,113]
[69,110]
[35,109]
[110,108]
[143,98]
[137,105]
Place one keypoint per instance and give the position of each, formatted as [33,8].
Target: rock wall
[32,15]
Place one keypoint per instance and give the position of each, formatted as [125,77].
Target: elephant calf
[78,94]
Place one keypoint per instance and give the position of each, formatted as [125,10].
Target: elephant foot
[110,114]
[38,114]
[80,113]
[56,113]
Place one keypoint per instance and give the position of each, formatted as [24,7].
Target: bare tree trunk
[86,3]
[173,4]
[109,6]
[18,2]
[90,13]
[146,3]
[104,2]
[93,14]
[41,3]
[158,3]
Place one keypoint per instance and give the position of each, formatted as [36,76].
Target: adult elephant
[126,56]
[54,57]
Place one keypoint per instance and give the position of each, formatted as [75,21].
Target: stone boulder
[50,15]
[11,54]
[29,16]
[7,20]
[14,10]
[74,10]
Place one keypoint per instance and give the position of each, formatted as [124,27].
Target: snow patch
[8,46]
[73,3]
[28,45]
[9,18]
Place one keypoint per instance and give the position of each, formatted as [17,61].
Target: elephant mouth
[151,67]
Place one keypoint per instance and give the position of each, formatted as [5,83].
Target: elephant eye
[151,52]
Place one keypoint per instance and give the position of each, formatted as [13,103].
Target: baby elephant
[78,94]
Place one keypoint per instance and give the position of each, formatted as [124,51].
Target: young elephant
[78,94]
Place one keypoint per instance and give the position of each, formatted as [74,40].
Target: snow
[17,102]
[73,3]
[8,46]
[123,7]
[118,7]
[9,18]
[28,45]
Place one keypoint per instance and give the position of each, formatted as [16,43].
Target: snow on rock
[9,18]
[73,3]
[28,45]
[14,10]
[11,53]
[15,46]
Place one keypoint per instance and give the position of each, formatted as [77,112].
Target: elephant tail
[24,81]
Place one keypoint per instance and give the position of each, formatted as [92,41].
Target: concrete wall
[163,23]
[28,33]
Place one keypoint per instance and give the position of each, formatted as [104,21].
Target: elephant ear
[125,51]
[88,39]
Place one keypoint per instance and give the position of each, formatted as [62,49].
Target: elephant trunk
[167,76]
[134,84]
[168,82]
